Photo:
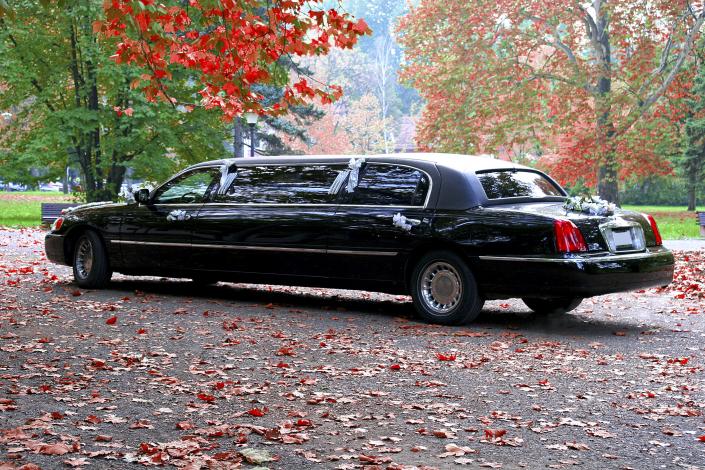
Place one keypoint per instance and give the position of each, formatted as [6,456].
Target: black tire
[554,305]
[91,269]
[457,288]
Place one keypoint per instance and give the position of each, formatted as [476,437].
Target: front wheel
[444,290]
[552,305]
[91,269]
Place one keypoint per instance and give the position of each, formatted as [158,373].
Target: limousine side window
[390,185]
[282,185]
[190,188]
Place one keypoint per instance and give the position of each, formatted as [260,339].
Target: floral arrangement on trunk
[587,204]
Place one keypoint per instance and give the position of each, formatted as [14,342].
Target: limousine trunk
[622,231]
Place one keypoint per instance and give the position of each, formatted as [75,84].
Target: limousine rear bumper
[580,276]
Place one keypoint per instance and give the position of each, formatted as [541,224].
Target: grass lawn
[23,209]
[674,222]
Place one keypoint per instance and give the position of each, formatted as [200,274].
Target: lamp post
[251,119]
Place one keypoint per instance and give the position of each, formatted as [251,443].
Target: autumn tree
[590,74]
[692,161]
[71,104]
[365,126]
[326,136]
[230,48]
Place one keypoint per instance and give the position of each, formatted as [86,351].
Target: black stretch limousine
[450,230]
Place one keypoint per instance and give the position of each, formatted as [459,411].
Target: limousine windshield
[501,184]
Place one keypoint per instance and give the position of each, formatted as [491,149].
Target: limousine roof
[455,187]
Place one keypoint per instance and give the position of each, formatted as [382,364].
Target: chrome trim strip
[130,242]
[259,248]
[269,204]
[579,259]
[364,253]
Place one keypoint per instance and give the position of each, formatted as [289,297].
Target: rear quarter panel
[493,232]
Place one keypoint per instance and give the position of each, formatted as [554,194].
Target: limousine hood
[94,207]
[593,227]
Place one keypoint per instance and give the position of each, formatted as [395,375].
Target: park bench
[52,210]
[701,222]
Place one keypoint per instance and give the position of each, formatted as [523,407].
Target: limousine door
[272,220]
[379,222]
[157,235]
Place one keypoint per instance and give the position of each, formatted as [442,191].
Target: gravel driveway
[159,372]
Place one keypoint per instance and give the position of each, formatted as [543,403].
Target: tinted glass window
[191,187]
[503,184]
[282,185]
[390,185]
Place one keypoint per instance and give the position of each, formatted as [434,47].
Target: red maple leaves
[229,46]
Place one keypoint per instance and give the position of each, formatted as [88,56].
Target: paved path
[152,372]
[685,245]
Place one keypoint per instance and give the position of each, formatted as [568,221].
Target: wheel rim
[84,258]
[441,288]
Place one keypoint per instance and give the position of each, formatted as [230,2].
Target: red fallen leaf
[494,433]
[184,425]
[142,424]
[56,415]
[286,351]
[395,367]
[76,462]
[241,438]
[702,438]
[54,449]
[682,361]
[219,385]
[76,293]
[103,438]
[93,419]
[444,357]
[111,321]
[206,397]
[283,365]
[43,340]
[141,331]
[304,422]
[259,412]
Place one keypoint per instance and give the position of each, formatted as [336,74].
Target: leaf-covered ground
[160,373]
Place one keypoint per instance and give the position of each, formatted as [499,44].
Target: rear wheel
[444,290]
[552,305]
[91,269]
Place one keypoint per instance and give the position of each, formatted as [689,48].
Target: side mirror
[141,196]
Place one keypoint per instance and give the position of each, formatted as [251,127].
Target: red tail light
[56,226]
[654,227]
[568,237]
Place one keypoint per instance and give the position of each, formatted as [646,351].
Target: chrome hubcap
[441,287]
[84,258]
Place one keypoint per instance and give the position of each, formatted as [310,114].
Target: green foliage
[68,101]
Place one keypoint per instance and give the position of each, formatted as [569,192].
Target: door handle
[178,214]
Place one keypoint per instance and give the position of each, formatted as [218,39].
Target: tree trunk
[694,173]
[237,139]
[607,173]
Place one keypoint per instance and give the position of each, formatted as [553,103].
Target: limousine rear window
[501,184]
